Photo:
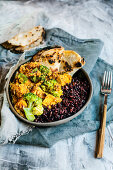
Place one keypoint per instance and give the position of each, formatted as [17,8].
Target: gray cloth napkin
[89,120]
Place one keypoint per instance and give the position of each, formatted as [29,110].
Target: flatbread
[71,62]
[50,57]
[31,41]
[28,47]
[27,38]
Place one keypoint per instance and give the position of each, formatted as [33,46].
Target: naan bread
[50,57]
[71,62]
[28,47]
[25,41]
[27,38]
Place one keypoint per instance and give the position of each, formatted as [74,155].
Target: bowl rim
[55,123]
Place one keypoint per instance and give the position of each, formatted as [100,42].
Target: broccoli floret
[38,110]
[34,106]
[35,70]
[29,114]
[35,79]
[35,75]
[43,78]
[32,99]
[52,87]
[22,78]
[44,69]
[50,84]
[57,93]
[44,73]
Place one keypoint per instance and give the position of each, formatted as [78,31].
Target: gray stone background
[83,19]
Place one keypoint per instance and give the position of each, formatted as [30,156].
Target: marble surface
[84,19]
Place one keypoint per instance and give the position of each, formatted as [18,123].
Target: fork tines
[107,81]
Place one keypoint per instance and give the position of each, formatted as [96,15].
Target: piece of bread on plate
[71,62]
[59,59]
[50,57]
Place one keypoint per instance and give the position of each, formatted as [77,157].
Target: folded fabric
[88,121]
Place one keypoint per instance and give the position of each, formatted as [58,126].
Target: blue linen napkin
[88,121]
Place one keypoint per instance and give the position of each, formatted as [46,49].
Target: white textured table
[84,19]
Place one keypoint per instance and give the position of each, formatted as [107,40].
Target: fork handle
[102,130]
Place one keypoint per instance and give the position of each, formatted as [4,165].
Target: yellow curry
[34,87]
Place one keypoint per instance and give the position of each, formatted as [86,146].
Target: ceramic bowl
[84,74]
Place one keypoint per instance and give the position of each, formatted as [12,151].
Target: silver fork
[106,90]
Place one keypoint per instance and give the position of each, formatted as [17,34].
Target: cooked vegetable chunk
[38,91]
[38,110]
[57,93]
[22,78]
[19,106]
[64,78]
[51,100]
[32,99]
[29,115]
[28,68]
[34,106]
[44,70]
[52,87]
[19,89]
